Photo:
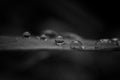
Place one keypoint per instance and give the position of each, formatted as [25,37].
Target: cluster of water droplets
[59,40]
[107,43]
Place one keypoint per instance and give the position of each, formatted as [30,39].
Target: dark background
[89,18]
[59,65]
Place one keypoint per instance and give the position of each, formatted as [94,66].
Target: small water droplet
[59,41]
[26,34]
[76,45]
[43,37]
[115,39]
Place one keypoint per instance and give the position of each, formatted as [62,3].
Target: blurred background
[89,18]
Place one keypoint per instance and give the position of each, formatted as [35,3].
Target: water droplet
[59,41]
[26,34]
[43,37]
[76,45]
[115,41]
